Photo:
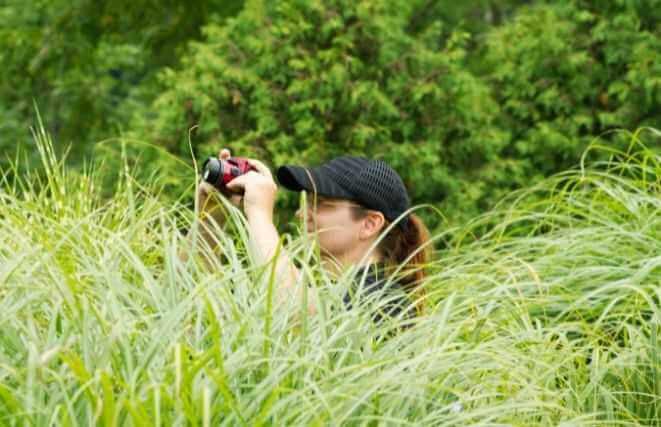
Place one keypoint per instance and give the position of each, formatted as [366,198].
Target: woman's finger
[238,184]
[224,154]
[260,167]
[236,199]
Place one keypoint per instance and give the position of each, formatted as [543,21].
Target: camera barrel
[219,173]
[212,171]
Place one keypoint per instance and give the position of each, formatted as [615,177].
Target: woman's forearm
[264,241]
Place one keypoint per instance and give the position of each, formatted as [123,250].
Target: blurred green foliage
[567,73]
[89,64]
[467,100]
[305,81]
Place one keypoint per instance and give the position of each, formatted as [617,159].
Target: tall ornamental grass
[543,311]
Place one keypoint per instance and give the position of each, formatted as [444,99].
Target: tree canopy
[467,101]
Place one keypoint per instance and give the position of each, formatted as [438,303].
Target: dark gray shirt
[389,297]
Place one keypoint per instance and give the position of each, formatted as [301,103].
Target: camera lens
[212,171]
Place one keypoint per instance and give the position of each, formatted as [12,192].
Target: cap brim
[293,178]
[296,178]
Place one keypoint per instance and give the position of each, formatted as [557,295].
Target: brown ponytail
[398,245]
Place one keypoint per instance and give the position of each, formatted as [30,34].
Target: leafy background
[467,101]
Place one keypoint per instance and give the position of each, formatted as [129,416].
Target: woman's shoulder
[374,285]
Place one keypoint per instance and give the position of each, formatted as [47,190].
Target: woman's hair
[400,244]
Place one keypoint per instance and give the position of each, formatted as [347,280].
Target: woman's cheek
[327,242]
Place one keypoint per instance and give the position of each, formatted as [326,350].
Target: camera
[219,172]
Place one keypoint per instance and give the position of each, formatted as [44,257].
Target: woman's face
[333,224]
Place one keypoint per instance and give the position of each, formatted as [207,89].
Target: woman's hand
[208,197]
[259,191]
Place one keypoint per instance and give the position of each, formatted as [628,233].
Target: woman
[352,202]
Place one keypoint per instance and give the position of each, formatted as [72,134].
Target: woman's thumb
[236,185]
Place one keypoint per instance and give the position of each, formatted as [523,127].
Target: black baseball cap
[370,183]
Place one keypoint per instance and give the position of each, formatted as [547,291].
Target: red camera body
[219,172]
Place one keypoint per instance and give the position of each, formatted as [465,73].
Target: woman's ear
[373,223]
